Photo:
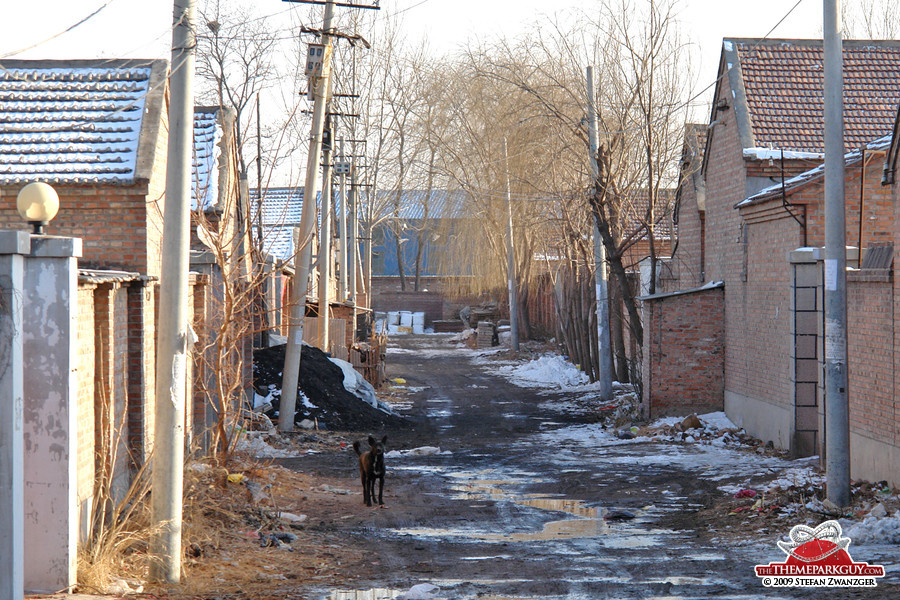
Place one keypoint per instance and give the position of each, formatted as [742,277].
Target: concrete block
[14,242]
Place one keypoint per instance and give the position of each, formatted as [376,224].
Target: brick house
[757,197]
[96,131]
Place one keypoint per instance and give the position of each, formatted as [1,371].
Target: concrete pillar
[50,392]
[13,246]
[806,359]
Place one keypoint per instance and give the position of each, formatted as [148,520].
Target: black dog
[371,467]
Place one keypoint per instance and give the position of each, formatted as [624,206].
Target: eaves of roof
[712,285]
[810,177]
[729,74]
[893,154]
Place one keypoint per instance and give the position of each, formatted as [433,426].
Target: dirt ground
[496,514]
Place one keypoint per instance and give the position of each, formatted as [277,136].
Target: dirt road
[517,503]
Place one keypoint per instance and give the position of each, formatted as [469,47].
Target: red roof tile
[783,80]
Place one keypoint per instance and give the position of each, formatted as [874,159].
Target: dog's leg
[365,487]
[380,490]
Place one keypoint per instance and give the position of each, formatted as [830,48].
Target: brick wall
[385,298]
[683,370]
[688,259]
[119,226]
[759,319]
[870,319]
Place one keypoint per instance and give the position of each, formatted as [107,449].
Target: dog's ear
[371,441]
[384,440]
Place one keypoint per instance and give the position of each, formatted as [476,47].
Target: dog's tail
[356,448]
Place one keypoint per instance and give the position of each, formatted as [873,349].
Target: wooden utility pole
[175,336]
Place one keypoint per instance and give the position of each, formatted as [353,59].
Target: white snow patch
[717,420]
[769,153]
[875,530]
[550,370]
[256,446]
[422,591]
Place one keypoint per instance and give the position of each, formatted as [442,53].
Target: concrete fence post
[50,430]
[13,246]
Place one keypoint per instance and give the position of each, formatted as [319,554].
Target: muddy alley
[503,492]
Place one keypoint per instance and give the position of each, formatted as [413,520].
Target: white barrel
[418,322]
[406,318]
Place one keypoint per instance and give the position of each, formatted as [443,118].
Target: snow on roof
[441,204]
[282,209]
[207,139]
[813,174]
[71,124]
[281,206]
[278,241]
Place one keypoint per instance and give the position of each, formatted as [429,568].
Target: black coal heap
[323,383]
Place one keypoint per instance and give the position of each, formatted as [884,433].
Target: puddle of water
[567,529]
[373,594]
[573,507]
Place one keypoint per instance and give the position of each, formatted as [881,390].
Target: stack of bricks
[485,334]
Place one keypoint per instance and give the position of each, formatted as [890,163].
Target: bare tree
[235,57]
[871,19]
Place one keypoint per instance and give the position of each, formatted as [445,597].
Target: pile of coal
[328,402]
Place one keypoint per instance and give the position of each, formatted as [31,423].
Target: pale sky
[141,28]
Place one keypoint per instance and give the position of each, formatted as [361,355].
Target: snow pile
[422,591]
[875,530]
[714,429]
[256,446]
[422,451]
[462,337]
[550,370]
[798,477]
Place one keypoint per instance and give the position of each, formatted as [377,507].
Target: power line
[63,32]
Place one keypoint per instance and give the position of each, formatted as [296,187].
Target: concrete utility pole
[604,351]
[300,287]
[511,261]
[837,414]
[175,336]
[325,240]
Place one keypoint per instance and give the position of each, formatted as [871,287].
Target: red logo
[818,558]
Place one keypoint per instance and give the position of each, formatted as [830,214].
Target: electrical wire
[63,32]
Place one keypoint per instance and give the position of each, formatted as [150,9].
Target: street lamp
[37,203]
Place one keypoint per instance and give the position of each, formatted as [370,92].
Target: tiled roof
[636,211]
[278,241]
[72,121]
[783,82]
[441,203]
[207,149]
[281,206]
